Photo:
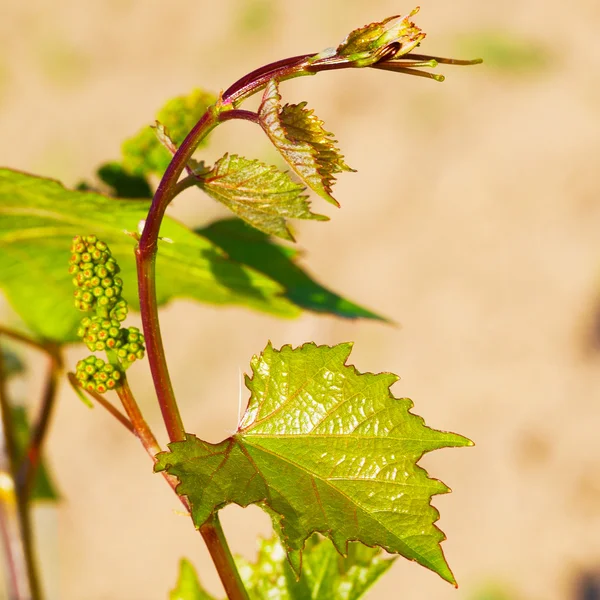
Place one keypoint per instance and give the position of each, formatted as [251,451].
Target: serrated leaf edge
[270,112]
[263,503]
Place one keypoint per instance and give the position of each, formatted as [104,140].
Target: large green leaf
[299,136]
[188,586]
[38,218]
[258,193]
[248,246]
[325,574]
[324,448]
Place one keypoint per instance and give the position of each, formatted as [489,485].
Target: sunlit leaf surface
[324,448]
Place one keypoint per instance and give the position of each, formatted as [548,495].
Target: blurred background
[473,223]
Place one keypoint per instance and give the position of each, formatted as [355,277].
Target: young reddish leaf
[259,194]
[188,586]
[298,135]
[325,574]
[324,448]
[392,38]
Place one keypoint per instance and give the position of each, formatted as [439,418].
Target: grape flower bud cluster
[98,290]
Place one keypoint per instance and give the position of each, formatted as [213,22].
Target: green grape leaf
[325,574]
[144,154]
[251,247]
[38,218]
[259,194]
[327,449]
[43,486]
[363,47]
[298,135]
[188,586]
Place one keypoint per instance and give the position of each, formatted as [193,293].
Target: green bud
[97,375]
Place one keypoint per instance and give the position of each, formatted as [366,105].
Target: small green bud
[96,375]
[119,311]
[133,347]
[100,334]
[94,270]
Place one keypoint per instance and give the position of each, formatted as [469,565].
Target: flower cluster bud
[96,375]
[94,272]
[101,334]
[132,347]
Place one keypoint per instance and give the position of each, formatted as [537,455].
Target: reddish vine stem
[146,267]
[139,424]
[103,402]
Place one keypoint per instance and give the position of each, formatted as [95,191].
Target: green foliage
[188,587]
[321,447]
[324,448]
[299,136]
[250,247]
[326,575]
[144,154]
[39,217]
[259,194]
[43,488]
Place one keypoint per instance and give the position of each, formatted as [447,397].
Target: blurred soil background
[473,222]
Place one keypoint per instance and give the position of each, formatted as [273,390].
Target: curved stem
[140,427]
[146,267]
[103,402]
[255,80]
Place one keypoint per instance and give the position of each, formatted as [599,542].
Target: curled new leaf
[322,448]
[258,193]
[299,136]
[389,39]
